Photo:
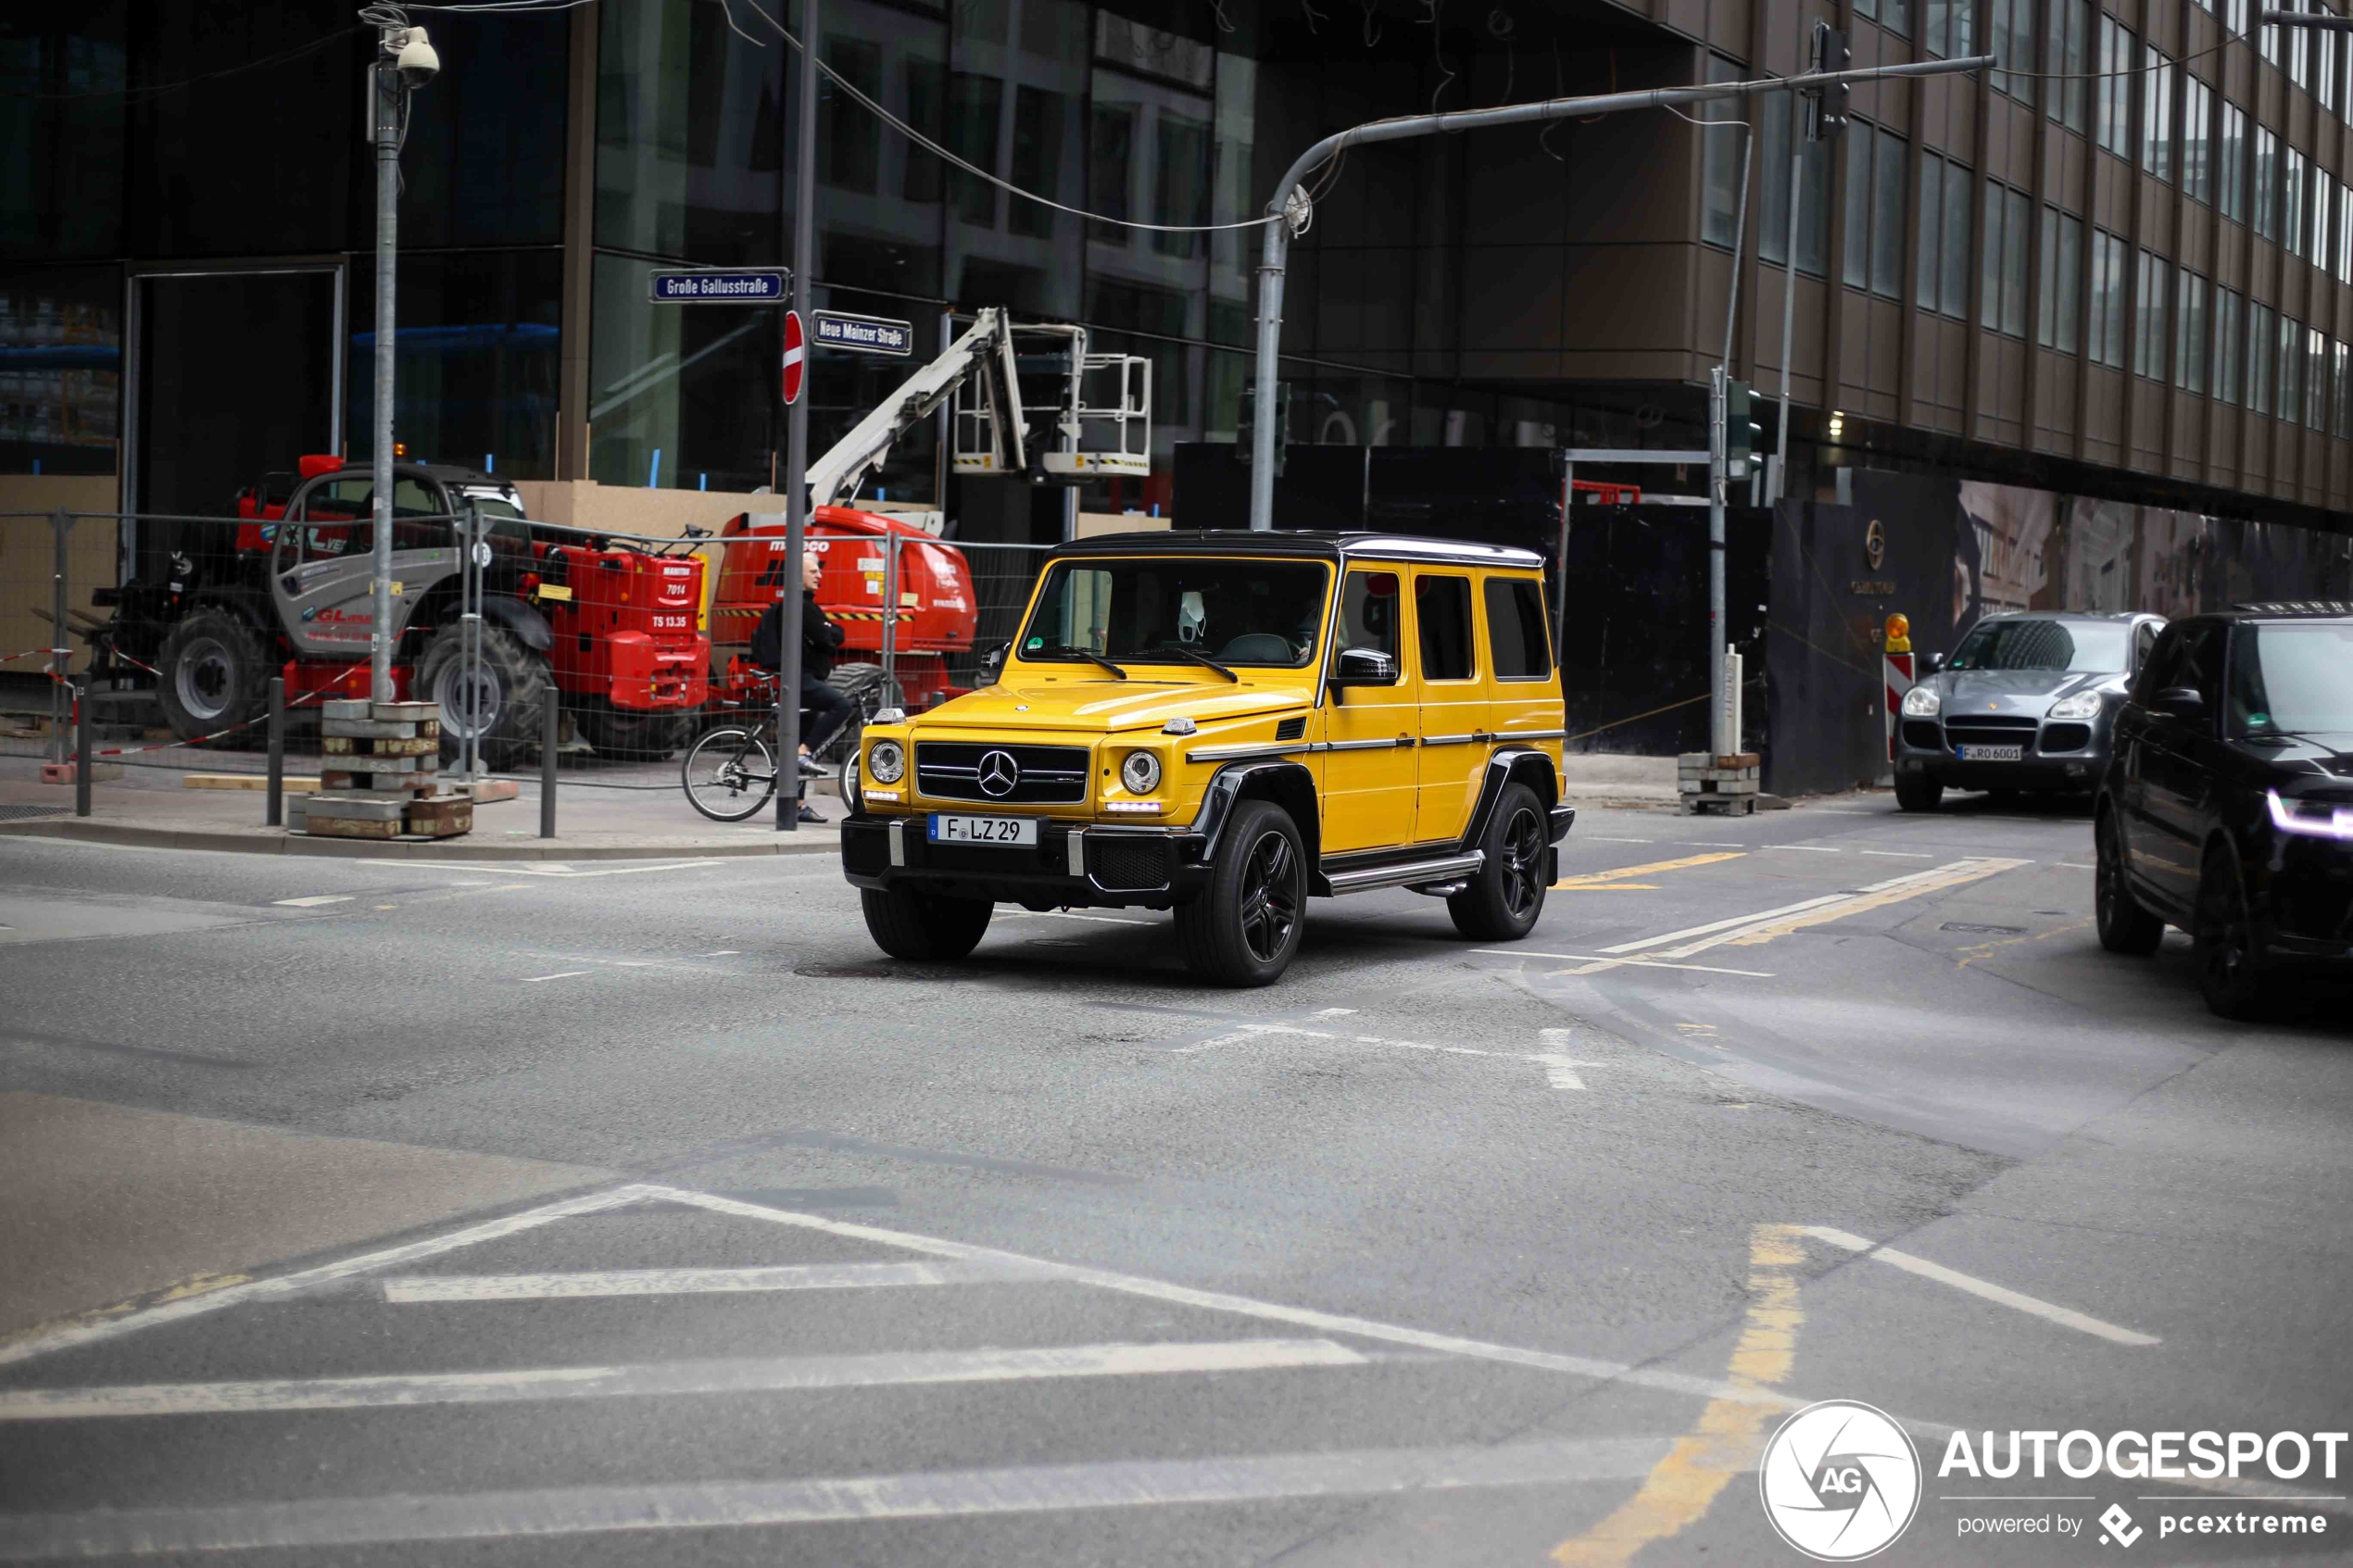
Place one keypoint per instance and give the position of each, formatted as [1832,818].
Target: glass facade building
[187,224]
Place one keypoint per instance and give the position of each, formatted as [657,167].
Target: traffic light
[1828,104]
[1741,432]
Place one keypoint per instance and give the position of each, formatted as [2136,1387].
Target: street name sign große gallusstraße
[867,335]
[716,288]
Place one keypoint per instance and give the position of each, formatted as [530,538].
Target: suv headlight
[1140,772]
[887,760]
[2083,705]
[1921,702]
[2312,819]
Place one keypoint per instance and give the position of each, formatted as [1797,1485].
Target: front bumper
[2303,890]
[2054,755]
[1073,864]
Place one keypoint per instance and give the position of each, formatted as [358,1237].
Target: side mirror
[1364,667]
[1931,663]
[992,663]
[2182,702]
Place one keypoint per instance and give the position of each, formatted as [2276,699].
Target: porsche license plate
[1991,753]
[947,829]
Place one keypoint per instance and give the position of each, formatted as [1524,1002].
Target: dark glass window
[61,71]
[474,358]
[1247,612]
[688,129]
[1517,646]
[1442,609]
[60,371]
[484,163]
[683,396]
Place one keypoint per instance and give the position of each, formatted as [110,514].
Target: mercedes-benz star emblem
[999,773]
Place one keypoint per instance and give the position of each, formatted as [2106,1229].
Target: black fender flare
[1288,785]
[1517,765]
[530,627]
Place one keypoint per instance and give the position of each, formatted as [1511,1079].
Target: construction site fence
[959,605]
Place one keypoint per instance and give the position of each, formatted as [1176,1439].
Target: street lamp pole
[804,273]
[1291,204]
[405,61]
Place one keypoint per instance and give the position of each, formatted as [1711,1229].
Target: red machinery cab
[626,631]
[936,611]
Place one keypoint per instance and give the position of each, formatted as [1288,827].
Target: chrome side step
[1444,870]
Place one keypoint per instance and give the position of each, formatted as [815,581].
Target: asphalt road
[1430,1254]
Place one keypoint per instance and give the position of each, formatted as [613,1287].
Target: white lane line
[1808,848]
[327,1523]
[2066,1316]
[315,900]
[550,868]
[1764,926]
[567,974]
[2071,866]
[1716,925]
[721,953]
[88,1330]
[1895,854]
[1558,1064]
[1220,1301]
[738,1375]
[1600,838]
[1716,843]
[693,1282]
[1626,963]
[1552,1062]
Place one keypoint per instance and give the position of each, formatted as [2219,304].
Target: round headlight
[1140,772]
[887,760]
[1921,702]
[2083,705]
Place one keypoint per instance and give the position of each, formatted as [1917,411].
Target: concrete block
[484,791]
[408,713]
[354,746]
[63,772]
[348,827]
[244,780]
[357,808]
[347,708]
[440,817]
[367,729]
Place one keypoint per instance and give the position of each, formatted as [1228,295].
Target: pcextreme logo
[1841,1481]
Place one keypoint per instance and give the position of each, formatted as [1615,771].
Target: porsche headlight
[1921,702]
[887,760]
[2083,705]
[1140,772]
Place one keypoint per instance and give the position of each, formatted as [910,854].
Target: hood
[1078,704]
[2315,764]
[2017,691]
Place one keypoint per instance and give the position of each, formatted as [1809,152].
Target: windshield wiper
[1090,658]
[1201,658]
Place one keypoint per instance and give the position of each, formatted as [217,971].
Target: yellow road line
[1727,1439]
[1944,878]
[1604,880]
[1984,950]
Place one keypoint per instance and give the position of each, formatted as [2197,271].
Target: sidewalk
[149,808]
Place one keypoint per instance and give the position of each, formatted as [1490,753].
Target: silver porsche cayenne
[2025,703]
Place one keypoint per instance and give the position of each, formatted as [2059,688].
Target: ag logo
[1839,1481]
[1875,543]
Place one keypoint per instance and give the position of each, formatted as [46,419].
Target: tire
[1917,791]
[214,673]
[1503,902]
[1244,928]
[716,774]
[924,927]
[624,735]
[514,691]
[2230,964]
[2124,925]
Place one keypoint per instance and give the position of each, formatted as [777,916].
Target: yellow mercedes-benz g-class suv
[1221,725]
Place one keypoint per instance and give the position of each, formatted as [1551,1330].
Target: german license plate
[947,829]
[1991,753]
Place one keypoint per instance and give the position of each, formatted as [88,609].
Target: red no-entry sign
[796,357]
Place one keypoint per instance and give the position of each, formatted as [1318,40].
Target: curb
[125,834]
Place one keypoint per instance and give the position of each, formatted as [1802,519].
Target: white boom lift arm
[981,371]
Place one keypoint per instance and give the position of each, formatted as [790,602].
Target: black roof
[2294,609]
[1315,546]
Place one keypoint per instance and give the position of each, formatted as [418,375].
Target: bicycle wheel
[728,774]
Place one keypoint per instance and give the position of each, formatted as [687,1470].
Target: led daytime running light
[2338,824]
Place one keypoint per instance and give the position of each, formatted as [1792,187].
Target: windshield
[2022,643]
[2292,679]
[1147,611]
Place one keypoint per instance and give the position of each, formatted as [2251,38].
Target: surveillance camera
[417,62]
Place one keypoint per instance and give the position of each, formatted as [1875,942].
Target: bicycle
[731,771]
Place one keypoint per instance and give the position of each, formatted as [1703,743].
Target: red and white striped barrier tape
[326,690]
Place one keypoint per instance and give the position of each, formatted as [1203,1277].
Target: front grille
[1991,729]
[1130,863]
[1923,734]
[2066,737]
[1050,775]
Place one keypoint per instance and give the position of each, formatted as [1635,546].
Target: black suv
[2227,808]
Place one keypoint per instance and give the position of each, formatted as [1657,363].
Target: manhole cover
[21,814]
[1969,930]
[846,972]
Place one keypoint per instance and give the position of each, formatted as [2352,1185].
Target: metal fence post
[60,648]
[550,725]
[890,612]
[82,751]
[469,535]
[275,815]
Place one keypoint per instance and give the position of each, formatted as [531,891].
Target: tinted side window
[1442,605]
[1518,648]
[2163,667]
[1368,612]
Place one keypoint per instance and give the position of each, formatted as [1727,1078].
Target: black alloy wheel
[2230,968]
[1244,928]
[1270,897]
[1507,893]
[2124,925]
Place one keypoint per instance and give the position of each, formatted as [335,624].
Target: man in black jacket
[819,640]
